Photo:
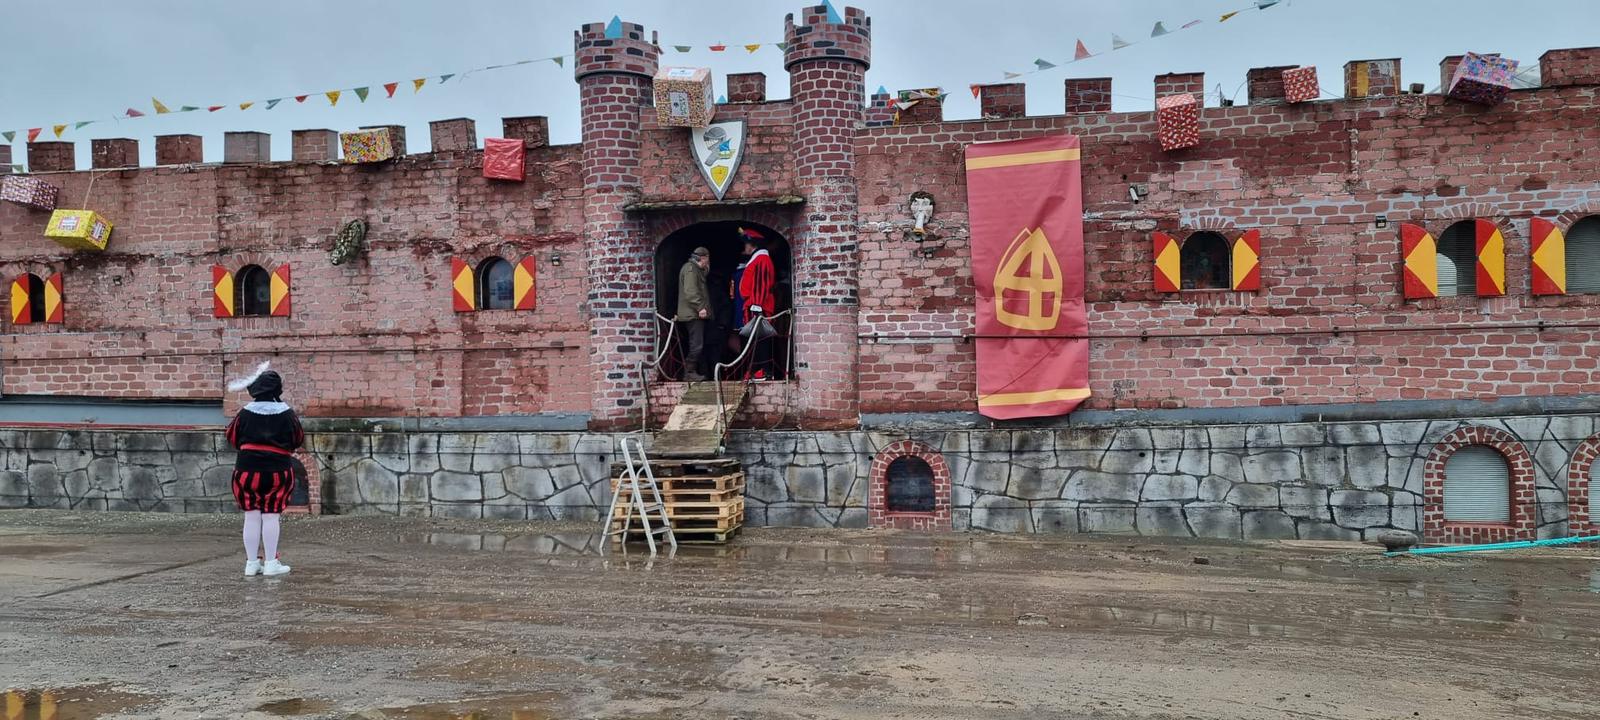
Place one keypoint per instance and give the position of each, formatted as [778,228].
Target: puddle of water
[509,708]
[294,706]
[78,703]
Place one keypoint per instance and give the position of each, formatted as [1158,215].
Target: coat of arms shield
[718,148]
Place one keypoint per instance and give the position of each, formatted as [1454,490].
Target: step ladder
[636,479]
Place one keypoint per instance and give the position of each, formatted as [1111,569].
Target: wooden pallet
[697,483]
[664,468]
[693,526]
[694,511]
[691,495]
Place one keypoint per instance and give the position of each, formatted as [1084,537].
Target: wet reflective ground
[147,616]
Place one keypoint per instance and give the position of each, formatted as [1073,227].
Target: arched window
[35,293]
[1458,259]
[496,286]
[1477,486]
[254,287]
[910,485]
[1203,262]
[1583,256]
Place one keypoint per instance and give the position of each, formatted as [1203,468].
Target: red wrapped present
[1482,79]
[503,158]
[1178,121]
[1300,84]
[29,192]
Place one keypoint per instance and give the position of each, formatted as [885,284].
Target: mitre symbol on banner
[1029,269]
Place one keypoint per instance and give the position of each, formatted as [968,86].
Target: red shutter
[462,288]
[54,300]
[1491,265]
[280,291]
[1166,264]
[1419,255]
[1547,251]
[523,283]
[221,292]
[1247,262]
[21,308]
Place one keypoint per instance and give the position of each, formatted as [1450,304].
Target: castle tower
[614,87]
[827,62]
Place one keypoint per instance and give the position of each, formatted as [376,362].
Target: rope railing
[744,353]
[654,363]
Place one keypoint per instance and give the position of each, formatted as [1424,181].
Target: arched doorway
[726,244]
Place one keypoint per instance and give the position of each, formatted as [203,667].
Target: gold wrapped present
[79,229]
[683,97]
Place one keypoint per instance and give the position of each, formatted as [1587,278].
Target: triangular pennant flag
[1225,16]
[1081,53]
[1159,30]
[80,124]
[558,61]
[390,87]
[881,91]
[333,96]
[1043,64]
[614,28]
[134,113]
[722,99]
[9,135]
[246,105]
[1118,43]
[446,77]
[833,15]
[16,168]
[719,47]
[416,85]
[1264,4]
[976,89]
[361,93]
[214,108]
[273,103]
[782,45]
[33,134]
[189,108]
[681,48]
[301,98]
[753,48]
[1010,75]
[1189,24]
[160,109]
[58,129]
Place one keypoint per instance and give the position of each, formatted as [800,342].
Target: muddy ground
[148,616]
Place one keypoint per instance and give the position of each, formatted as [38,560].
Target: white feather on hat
[244,382]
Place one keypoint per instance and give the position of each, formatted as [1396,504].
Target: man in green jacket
[694,309]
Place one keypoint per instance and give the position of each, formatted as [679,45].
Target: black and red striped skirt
[266,491]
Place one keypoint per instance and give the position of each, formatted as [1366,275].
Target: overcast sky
[71,60]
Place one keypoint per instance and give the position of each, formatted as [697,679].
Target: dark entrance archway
[722,238]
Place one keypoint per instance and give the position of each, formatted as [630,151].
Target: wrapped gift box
[1300,84]
[79,229]
[503,158]
[1178,121]
[29,192]
[367,146]
[683,97]
[1483,79]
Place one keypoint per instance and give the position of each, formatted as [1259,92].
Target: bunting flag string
[613,30]
[1081,52]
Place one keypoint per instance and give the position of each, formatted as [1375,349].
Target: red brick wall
[1580,482]
[1524,513]
[1312,179]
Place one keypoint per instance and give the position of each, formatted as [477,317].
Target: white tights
[260,530]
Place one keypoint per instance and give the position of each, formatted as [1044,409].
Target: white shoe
[273,567]
[252,568]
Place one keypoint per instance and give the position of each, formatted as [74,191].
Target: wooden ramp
[695,429]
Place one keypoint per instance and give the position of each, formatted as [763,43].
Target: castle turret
[827,55]
[614,71]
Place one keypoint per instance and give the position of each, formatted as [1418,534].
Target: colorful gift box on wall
[79,229]
[503,158]
[683,97]
[1300,84]
[29,192]
[1483,79]
[1178,121]
[367,146]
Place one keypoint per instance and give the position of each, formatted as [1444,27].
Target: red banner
[1025,205]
